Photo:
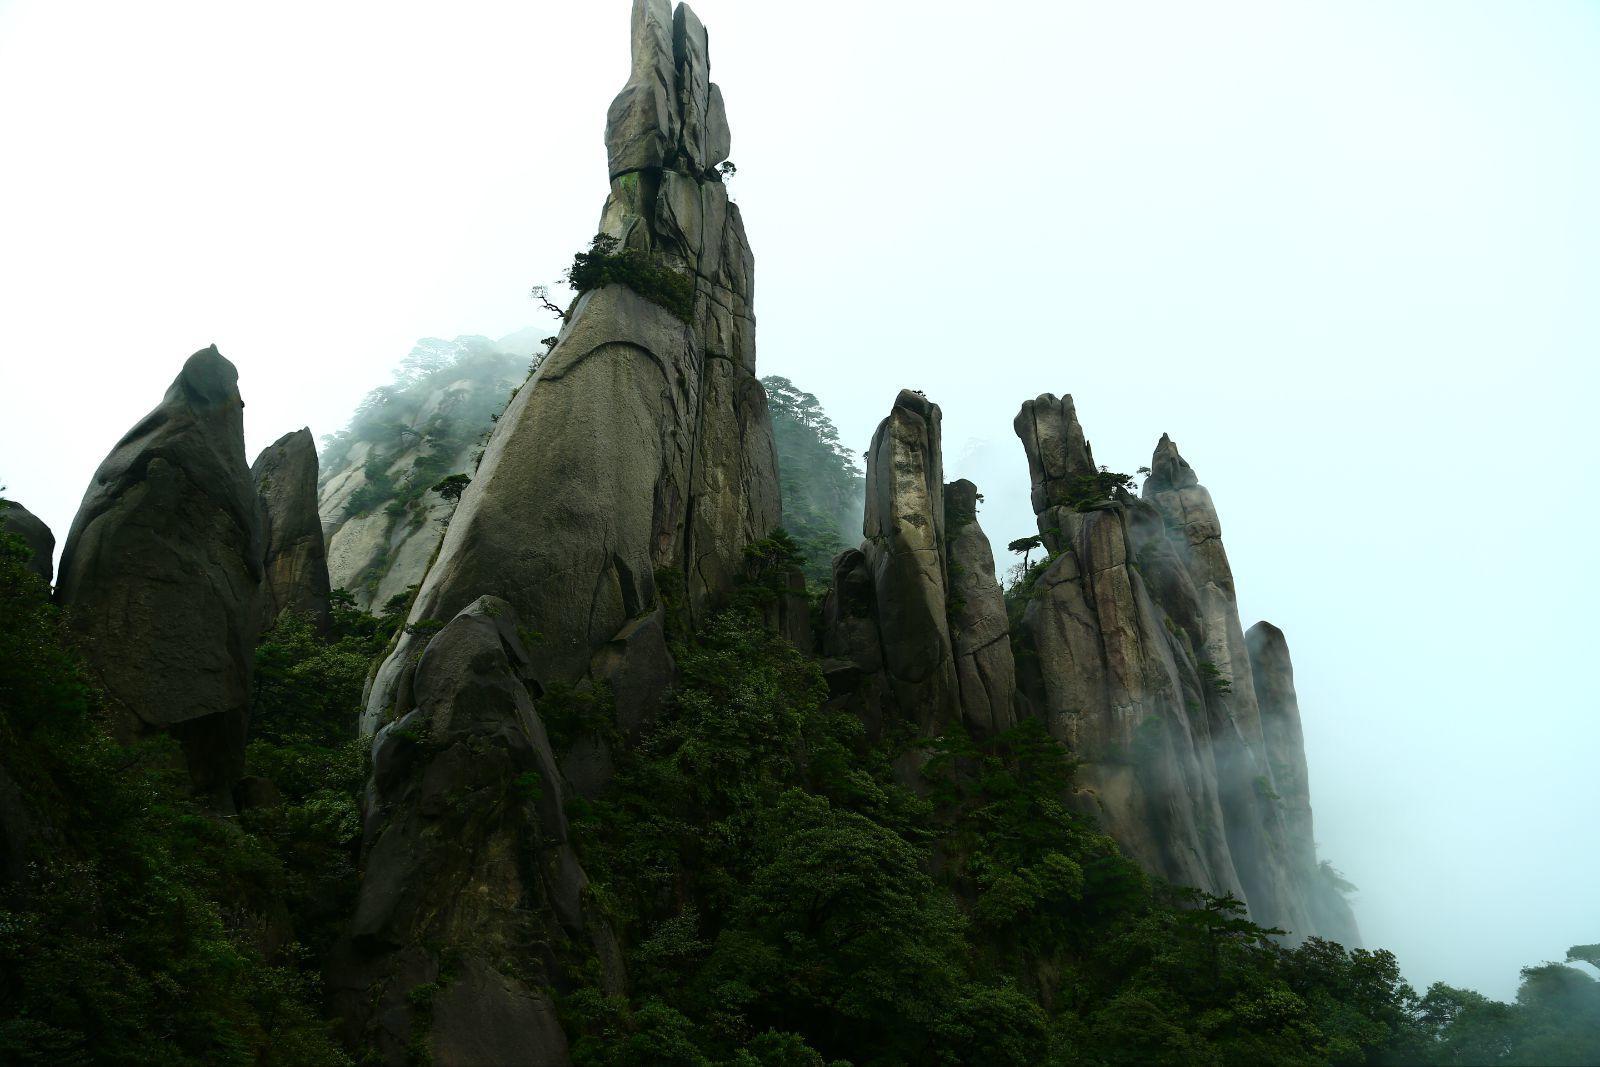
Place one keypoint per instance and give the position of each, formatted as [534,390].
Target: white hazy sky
[1347,254]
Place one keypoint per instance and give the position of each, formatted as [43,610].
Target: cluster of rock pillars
[641,454]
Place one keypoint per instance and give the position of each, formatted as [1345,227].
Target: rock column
[161,573]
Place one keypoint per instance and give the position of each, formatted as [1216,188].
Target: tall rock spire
[1110,628]
[1257,833]
[638,460]
[1273,671]
[161,573]
[295,559]
[917,607]
[980,635]
[1138,662]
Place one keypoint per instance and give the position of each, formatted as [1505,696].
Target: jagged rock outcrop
[1111,671]
[1273,673]
[295,562]
[381,520]
[161,573]
[20,522]
[979,632]
[905,553]
[1134,654]
[638,460]
[917,605]
[471,909]
[1257,833]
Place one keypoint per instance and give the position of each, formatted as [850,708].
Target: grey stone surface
[643,446]
[20,522]
[295,561]
[466,864]
[1257,833]
[1112,671]
[979,633]
[916,611]
[904,551]
[1331,916]
[1058,453]
[161,573]
[643,121]
[1135,656]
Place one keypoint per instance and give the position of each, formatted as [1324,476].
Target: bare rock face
[1137,659]
[979,633]
[904,550]
[295,569]
[1273,672]
[638,461]
[161,573]
[917,609]
[381,521]
[471,906]
[20,522]
[1257,833]
[1113,670]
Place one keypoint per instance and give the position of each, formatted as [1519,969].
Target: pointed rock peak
[669,115]
[1267,645]
[960,503]
[916,401]
[208,380]
[1168,469]
[1058,452]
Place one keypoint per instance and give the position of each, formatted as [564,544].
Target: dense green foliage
[605,263]
[143,928]
[785,897]
[139,927]
[786,891]
[822,486]
[1088,491]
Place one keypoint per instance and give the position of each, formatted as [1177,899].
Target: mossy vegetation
[607,263]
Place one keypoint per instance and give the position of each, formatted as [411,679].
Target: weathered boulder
[20,522]
[161,573]
[1273,673]
[980,635]
[295,561]
[471,909]
[638,462]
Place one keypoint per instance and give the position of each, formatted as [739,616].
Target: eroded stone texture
[915,620]
[161,573]
[1273,672]
[1112,671]
[905,553]
[470,890]
[20,522]
[295,562]
[1134,654]
[642,450]
[1257,833]
[979,633]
